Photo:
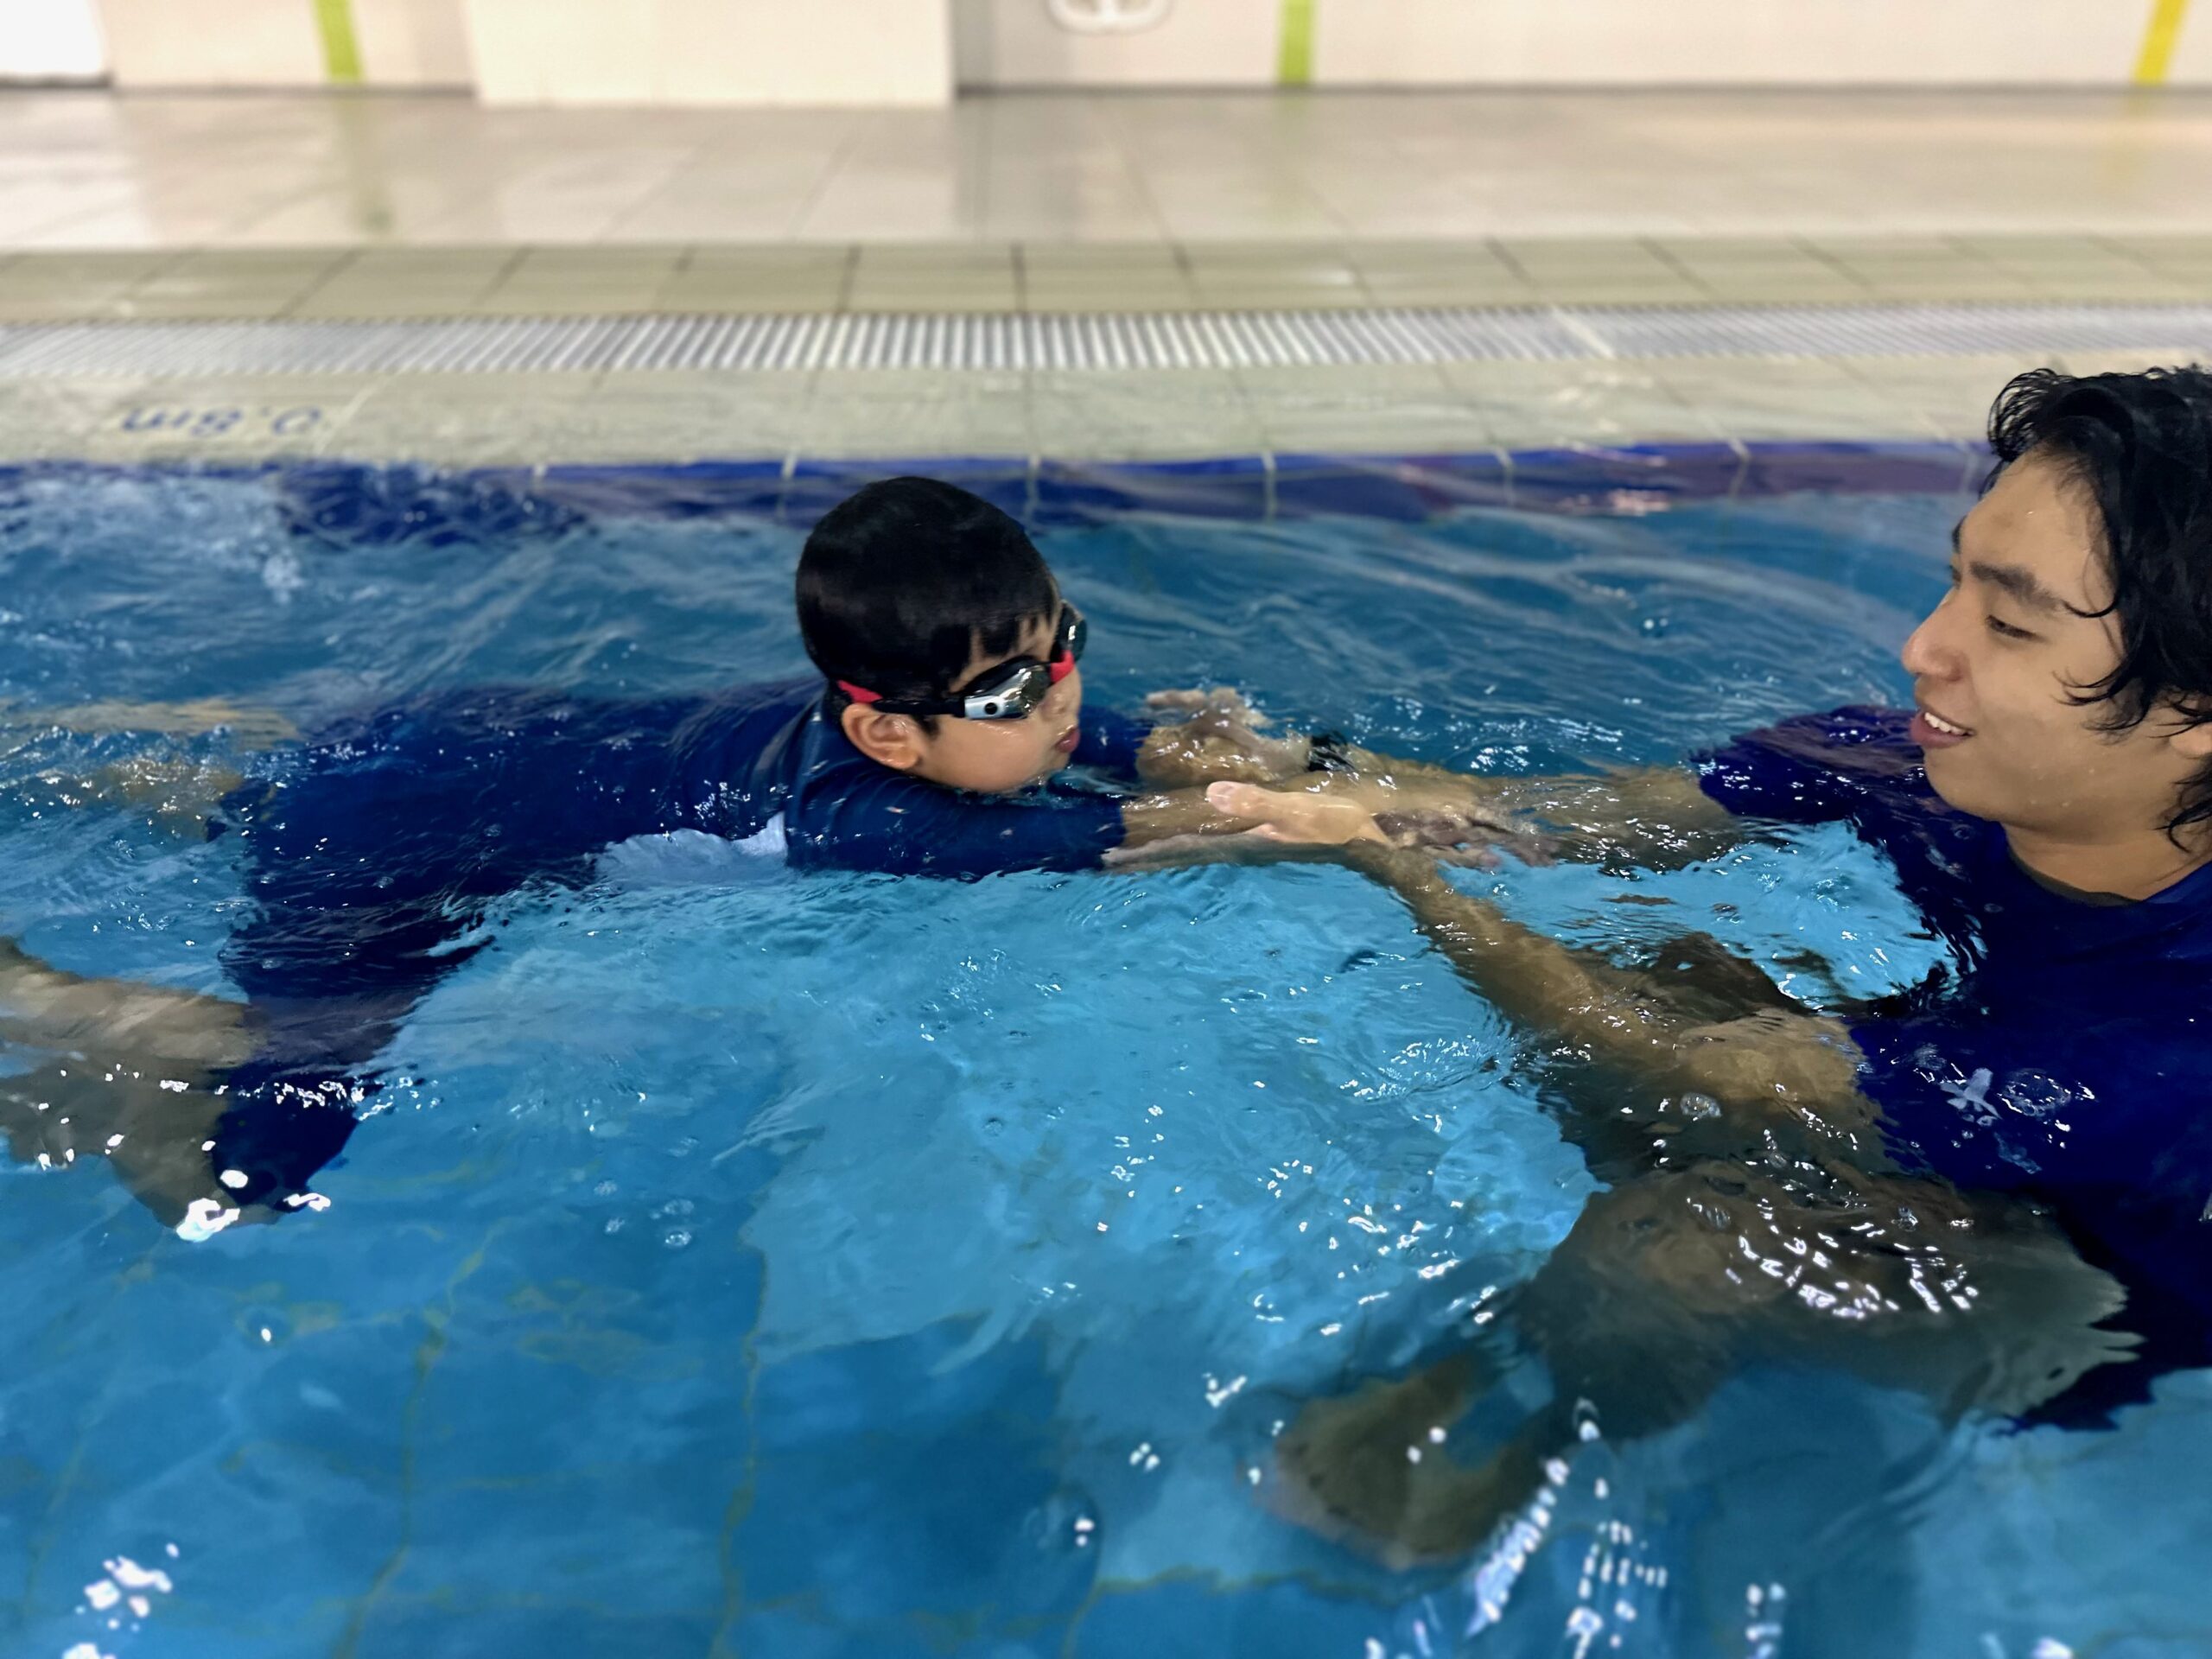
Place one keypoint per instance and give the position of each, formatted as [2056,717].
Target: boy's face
[990,757]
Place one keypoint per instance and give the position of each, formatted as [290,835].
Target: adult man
[1901,1189]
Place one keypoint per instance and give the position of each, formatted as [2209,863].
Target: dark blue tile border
[1861,468]
[1408,489]
[1077,491]
[1628,479]
[696,490]
[1631,479]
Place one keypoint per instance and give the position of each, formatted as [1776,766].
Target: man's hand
[1219,738]
[1198,699]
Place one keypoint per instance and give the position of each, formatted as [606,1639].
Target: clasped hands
[1266,782]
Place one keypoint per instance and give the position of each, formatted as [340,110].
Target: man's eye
[1954,574]
[2006,630]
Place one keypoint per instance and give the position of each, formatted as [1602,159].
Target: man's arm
[1747,1212]
[1649,817]
[1773,1060]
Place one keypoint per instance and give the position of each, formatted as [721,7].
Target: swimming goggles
[1009,692]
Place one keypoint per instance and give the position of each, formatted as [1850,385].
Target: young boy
[949,699]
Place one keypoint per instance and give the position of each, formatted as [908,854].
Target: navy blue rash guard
[2068,1056]
[372,855]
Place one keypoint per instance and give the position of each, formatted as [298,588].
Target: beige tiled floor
[153,207]
[1122,276]
[84,170]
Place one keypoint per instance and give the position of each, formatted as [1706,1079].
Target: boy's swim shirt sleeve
[844,811]
[1111,741]
[900,827]
[1814,768]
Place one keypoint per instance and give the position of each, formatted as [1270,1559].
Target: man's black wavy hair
[2140,446]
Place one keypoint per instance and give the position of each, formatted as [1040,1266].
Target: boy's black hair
[2141,445]
[902,585]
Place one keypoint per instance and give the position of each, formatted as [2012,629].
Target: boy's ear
[892,741]
[2195,742]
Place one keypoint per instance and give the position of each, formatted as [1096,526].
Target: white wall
[901,51]
[1569,42]
[1564,41]
[212,42]
[2192,62]
[413,43]
[51,40]
[1201,43]
[737,52]
[278,43]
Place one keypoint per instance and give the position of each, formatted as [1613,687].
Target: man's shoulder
[1842,763]
[1858,738]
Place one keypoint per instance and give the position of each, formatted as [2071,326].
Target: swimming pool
[774,1265]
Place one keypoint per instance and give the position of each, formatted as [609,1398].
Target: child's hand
[1297,816]
[1451,818]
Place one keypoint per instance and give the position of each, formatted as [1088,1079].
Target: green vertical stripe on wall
[1294,62]
[341,53]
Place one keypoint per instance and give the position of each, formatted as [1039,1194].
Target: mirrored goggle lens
[1009,695]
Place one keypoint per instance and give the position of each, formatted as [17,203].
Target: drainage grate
[1204,340]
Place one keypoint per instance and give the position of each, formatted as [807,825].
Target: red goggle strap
[1059,668]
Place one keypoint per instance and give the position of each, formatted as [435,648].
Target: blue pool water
[785,1265]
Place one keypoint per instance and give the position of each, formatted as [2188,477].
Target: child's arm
[129,1080]
[247,728]
[152,1025]
[1186,826]
[882,821]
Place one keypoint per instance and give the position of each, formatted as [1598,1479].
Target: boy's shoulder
[847,812]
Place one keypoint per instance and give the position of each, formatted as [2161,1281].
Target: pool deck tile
[885,413]
[1300,273]
[788,418]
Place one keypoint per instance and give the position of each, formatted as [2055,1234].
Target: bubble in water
[675,1239]
[265,1324]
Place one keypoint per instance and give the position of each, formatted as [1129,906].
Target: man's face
[996,757]
[1995,666]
